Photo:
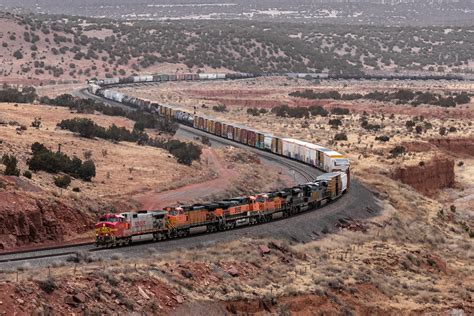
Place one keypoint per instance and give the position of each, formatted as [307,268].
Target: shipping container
[230,132]
[277,145]
[251,138]
[237,134]
[172,77]
[243,135]
[93,88]
[220,76]
[108,81]
[289,147]
[224,130]
[267,142]
[260,141]
[218,128]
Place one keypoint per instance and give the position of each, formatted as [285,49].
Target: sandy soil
[142,168]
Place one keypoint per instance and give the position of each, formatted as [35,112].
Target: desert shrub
[62,181]
[205,140]
[446,102]
[76,189]
[10,163]
[335,123]
[54,162]
[89,129]
[369,126]
[18,54]
[409,124]
[442,131]
[340,136]
[36,122]
[404,95]
[310,94]
[87,170]
[47,285]
[419,129]
[26,95]
[452,129]
[397,151]
[382,138]
[27,174]
[462,98]
[340,111]
[286,111]
[220,108]
[253,111]
[318,110]
[185,153]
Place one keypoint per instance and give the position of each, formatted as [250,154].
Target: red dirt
[359,300]
[427,179]
[153,201]
[425,111]
[455,146]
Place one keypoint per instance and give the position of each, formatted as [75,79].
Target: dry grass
[141,168]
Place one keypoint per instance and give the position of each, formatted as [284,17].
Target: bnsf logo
[139,223]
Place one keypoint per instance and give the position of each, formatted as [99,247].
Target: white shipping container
[108,94]
[203,76]
[267,140]
[148,78]
[344,181]
[136,79]
[111,80]
[220,76]
[288,147]
[93,88]
[119,97]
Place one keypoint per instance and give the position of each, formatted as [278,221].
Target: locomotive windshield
[110,219]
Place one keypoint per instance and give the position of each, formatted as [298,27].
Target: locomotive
[180,221]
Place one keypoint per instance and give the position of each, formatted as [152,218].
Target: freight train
[113,229]
[308,76]
[172,222]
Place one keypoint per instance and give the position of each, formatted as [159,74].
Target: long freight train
[309,76]
[113,229]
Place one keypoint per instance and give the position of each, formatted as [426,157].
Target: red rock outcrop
[455,146]
[28,215]
[428,178]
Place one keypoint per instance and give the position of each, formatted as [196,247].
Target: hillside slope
[38,48]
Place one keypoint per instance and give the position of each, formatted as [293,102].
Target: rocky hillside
[39,48]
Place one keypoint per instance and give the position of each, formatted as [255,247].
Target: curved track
[357,203]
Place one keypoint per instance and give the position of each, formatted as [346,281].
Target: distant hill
[43,47]
[368,12]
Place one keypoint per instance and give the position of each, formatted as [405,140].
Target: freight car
[315,155]
[122,229]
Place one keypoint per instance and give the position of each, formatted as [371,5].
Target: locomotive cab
[109,228]
[176,217]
